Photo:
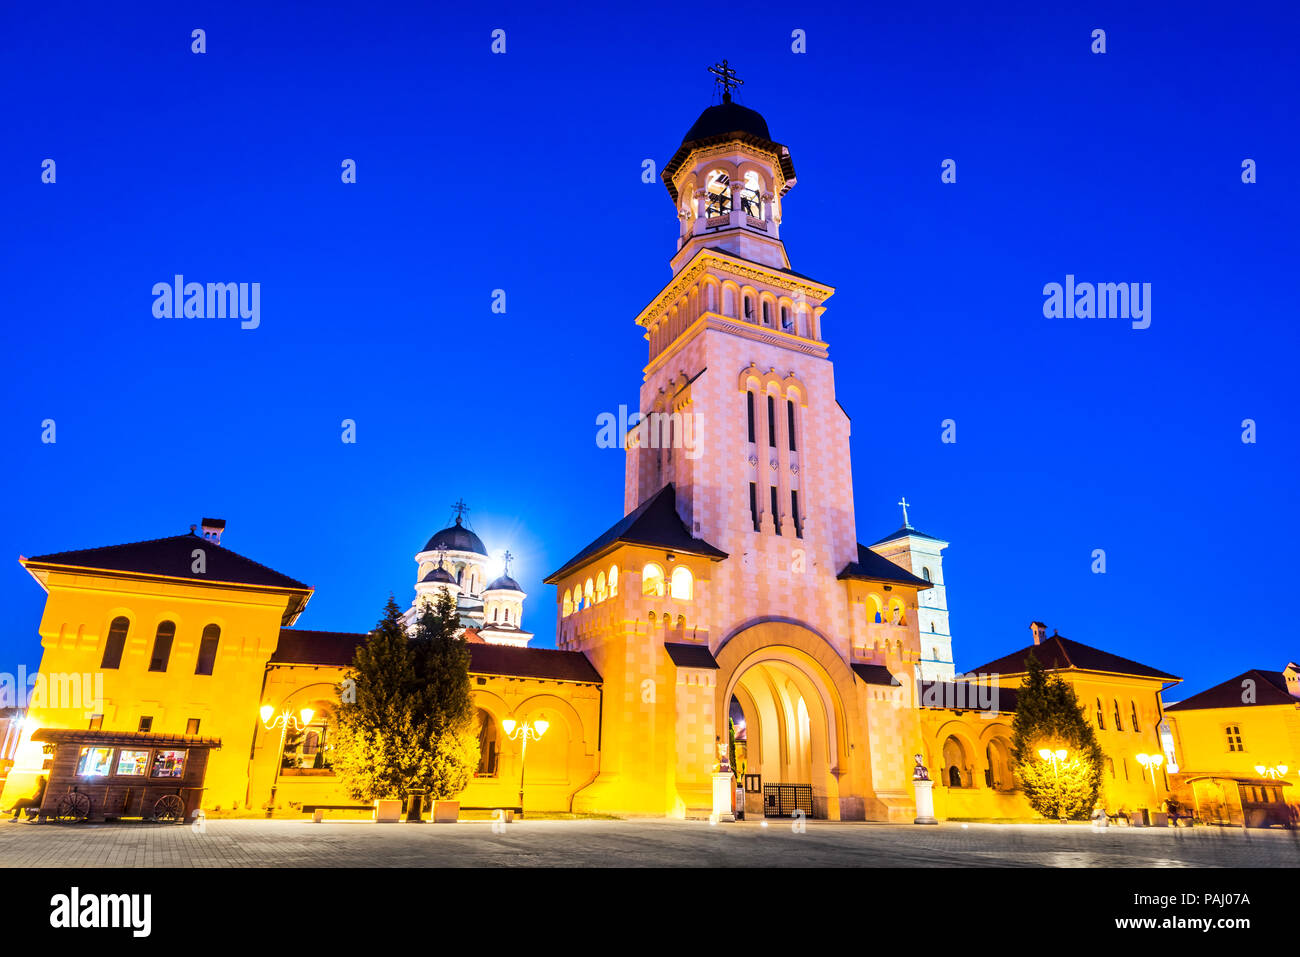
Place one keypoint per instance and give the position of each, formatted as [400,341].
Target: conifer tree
[1049,716]
[408,725]
[446,699]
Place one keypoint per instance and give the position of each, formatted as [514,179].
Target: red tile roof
[532,663]
[173,557]
[1059,654]
[301,647]
[1267,687]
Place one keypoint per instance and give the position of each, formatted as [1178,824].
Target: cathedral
[456,561]
[732,600]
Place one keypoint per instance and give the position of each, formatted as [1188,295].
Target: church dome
[439,575]
[456,538]
[718,124]
[504,583]
[724,118]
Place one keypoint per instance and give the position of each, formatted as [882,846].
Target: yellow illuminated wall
[979,745]
[79,609]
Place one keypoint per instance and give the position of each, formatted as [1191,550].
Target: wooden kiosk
[110,775]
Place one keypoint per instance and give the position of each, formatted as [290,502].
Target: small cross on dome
[903,502]
[506,559]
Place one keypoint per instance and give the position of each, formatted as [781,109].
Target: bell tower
[734,582]
[727,180]
[738,396]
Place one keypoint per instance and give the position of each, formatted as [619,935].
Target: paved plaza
[655,843]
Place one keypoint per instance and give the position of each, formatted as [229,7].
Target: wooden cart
[110,775]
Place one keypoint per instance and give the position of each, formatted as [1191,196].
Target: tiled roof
[875,568]
[1058,654]
[904,531]
[302,647]
[1269,689]
[122,738]
[173,557]
[532,663]
[339,648]
[965,696]
[654,522]
[685,655]
[875,675]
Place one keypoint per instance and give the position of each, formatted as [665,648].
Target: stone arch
[966,752]
[780,666]
[731,299]
[711,294]
[491,702]
[803,320]
[556,757]
[793,388]
[998,773]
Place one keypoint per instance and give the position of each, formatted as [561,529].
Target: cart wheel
[169,809]
[73,808]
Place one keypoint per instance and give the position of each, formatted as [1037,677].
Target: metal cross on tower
[903,502]
[506,559]
[725,77]
[460,508]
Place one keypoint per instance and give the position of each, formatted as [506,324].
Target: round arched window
[683,583]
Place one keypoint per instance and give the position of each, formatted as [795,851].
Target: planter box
[446,812]
[388,811]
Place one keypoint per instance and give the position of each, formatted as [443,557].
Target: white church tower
[921,554]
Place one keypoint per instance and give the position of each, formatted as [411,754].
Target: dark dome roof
[727,118]
[456,538]
[504,583]
[439,574]
[718,123]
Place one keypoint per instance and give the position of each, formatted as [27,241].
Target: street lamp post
[1047,754]
[1151,762]
[522,732]
[282,720]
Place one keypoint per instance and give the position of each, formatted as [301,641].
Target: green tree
[447,697]
[1049,716]
[409,725]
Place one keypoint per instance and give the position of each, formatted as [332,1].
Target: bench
[317,811]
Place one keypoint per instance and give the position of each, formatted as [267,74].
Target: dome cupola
[456,538]
[727,179]
[503,609]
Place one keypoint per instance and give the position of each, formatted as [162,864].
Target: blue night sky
[523,172]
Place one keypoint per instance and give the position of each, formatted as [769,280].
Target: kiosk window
[132,763]
[168,764]
[94,762]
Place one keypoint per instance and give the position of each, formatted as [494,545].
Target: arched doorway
[956,766]
[997,755]
[791,716]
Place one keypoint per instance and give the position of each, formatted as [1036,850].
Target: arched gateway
[791,688]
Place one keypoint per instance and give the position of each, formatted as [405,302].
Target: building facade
[1237,748]
[732,598]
